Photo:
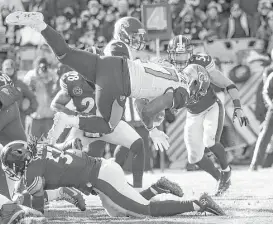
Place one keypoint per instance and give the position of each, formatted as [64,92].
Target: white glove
[18,198]
[160,139]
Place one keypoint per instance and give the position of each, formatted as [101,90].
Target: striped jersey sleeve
[35,185]
[63,84]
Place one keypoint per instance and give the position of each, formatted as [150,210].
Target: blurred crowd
[90,22]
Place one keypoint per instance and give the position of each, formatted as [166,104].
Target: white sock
[227,169]
[53,194]
[75,120]
[196,207]
[3,200]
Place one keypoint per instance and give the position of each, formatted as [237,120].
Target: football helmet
[15,157]
[117,48]
[179,51]
[130,31]
[198,81]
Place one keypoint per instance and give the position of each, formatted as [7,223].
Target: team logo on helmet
[181,47]
[77,91]
[202,77]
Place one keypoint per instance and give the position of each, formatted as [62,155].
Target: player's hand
[160,139]
[239,114]
[18,198]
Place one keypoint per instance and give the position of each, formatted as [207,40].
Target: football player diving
[43,167]
[82,93]
[205,112]
[115,77]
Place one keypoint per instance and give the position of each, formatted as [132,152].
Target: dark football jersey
[72,168]
[81,91]
[5,79]
[203,60]
[205,101]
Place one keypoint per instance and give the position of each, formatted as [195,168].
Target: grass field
[249,200]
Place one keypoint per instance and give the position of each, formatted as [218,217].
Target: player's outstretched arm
[223,82]
[268,87]
[148,110]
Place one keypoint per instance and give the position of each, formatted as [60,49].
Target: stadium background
[235,55]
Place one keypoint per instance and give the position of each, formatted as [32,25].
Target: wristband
[150,129]
[237,104]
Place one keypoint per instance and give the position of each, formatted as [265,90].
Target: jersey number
[67,159]
[89,102]
[160,71]
[203,58]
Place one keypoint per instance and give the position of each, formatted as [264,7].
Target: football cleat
[12,213]
[163,185]
[223,183]
[74,197]
[31,19]
[207,204]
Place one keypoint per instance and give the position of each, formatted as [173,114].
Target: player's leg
[126,136]
[193,135]
[120,199]
[13,213]
[70,195]
[77,133]
[213,126]
[95,149]
[81,61]
[263,140]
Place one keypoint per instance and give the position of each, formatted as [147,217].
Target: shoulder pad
[116,48]
[203,60]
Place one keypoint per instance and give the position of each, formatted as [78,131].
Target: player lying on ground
[131,79]
[12,213]
[82,93]
[11,129]
[205,112]
[46,167]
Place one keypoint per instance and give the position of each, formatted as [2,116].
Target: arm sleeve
[152,113]
[211,65]
[267,87]
[63,84]
[180,96]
